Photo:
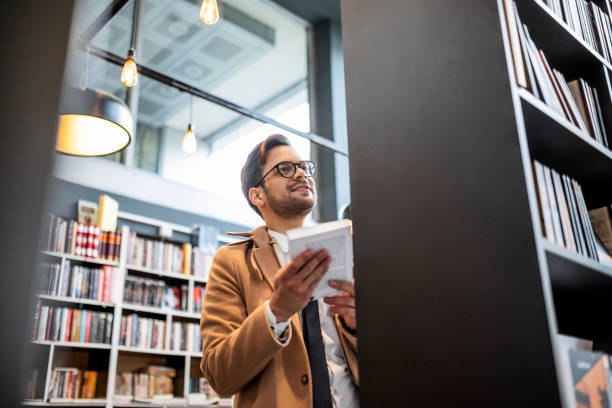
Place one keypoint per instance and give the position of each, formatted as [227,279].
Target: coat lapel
[267,263]
[264,259]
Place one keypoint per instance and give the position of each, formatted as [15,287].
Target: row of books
[57,232]
[72,384]
[169,257]
[185,337]
[588,379]
[154,293]
[588,21]
[148,383]
[198,296]
[563,211]
[201,262]
[159,255]
[200,392]
[100,284]
[81,239]
[142,332]
[49,279]
[575,100]
[76,325]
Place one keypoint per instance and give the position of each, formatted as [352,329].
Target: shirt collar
[280,239]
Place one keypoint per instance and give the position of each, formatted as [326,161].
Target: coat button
[304,379]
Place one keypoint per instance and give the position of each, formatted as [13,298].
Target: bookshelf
[114,356]
[475,291]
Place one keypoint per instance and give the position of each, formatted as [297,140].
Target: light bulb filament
[209,12]
[129,74]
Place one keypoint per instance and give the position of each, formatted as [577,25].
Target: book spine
[68,329]
[83,326]
[64,323]
[87,326]
[37,311]
[49,323]
[117,247]
[57,317]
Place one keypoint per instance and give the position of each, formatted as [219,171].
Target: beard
[289,206]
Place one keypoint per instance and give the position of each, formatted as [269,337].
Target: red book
[96,241]
[107,282]
[69,384]
[68,322]
[78,237]
[90,240]
[87,326]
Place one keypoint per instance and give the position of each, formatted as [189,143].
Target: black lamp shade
[92,123]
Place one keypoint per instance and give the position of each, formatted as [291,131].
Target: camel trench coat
[241,355]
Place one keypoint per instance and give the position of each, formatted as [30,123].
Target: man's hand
[295,282]
[343,303]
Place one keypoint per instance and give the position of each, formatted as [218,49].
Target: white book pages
[335,236]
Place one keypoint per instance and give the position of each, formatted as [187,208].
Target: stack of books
[198,296]
[141,332]
[49,279]
[588,21]
[201,262]
[56,238]
[576,101]
[153,384]
[154,293]
[82,239]
[563,212]
[99,284]
[154,254]
[200,392]
[186,337]
[69,384]
[78,325]
[588,378]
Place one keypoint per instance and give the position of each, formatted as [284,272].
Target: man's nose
[299,173]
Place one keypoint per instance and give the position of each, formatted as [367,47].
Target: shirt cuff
[277,328]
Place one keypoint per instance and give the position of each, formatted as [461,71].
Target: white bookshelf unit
[185,362]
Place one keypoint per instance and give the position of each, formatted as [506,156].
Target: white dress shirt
[343,391]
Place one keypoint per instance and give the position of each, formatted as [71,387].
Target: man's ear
[256,196]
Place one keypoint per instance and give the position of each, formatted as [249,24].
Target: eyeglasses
[287,169]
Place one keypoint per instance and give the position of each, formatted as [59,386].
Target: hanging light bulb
[190,144]
[129,74]
[189,141]
[209,12]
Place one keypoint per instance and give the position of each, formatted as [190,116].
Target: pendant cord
[191,110]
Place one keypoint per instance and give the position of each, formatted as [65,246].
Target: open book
[335,236]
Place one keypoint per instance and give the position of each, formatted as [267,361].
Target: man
[257,318]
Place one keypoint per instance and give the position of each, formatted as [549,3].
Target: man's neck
[282,225]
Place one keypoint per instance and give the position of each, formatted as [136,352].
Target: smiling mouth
[301,187]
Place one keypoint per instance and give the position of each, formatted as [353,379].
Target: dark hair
[253,168]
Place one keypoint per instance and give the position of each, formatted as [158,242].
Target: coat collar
[263,253]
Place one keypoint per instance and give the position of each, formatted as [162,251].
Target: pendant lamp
[92,123]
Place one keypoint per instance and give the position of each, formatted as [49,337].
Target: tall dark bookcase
[459,296]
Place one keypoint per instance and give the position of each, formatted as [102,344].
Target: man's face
[288,197]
